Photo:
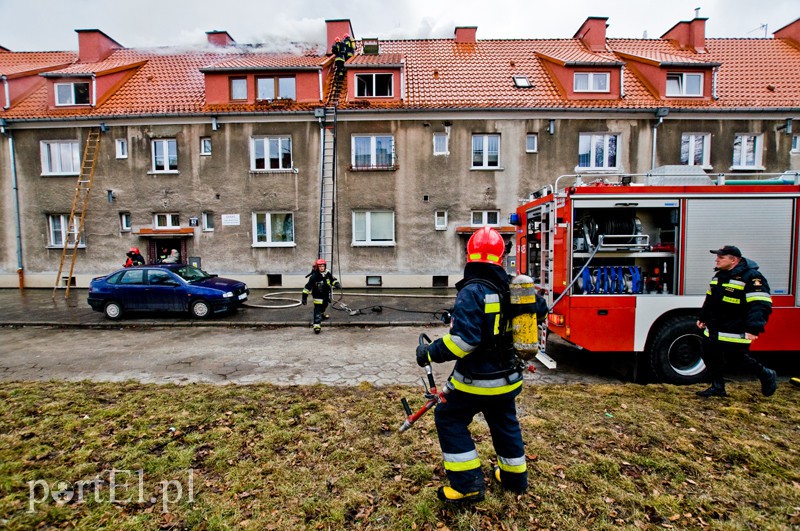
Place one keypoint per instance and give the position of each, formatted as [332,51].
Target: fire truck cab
[624,261]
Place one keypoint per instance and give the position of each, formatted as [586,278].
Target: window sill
[60,174]
[289,244]
[373,244]
[260,172]
[600,171]
[208,230]
[60,247]
[748,168]
[176,172]
[484,168]
[374,168]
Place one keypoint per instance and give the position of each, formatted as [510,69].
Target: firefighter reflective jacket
[737,302]
[480,339]
[319,285]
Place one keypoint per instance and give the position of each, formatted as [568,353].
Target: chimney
[220,38]
[338,28]
[466,34]
[689,34]
[95,46]
[790,32]
[592,33]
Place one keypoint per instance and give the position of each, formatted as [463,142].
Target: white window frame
[682,78]
[440,220]
[480,144]
[532,138]
[594,140]
[366,85]
[442,147]
[692,139]
[171,220]
[740,151]
[125,222]
[368,240]
[61,231]
[205,146]
[484,218]
[592,80]
[267,215]
[795,143]
[522,82]
[357,140]
[281,88]
[121,148]
[165,144]
[70,101]
[53,157]
[237,85]
[208,221]
[267,142]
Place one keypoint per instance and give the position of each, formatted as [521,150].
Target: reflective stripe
[456,345]
[732,300]
[306,291]
[497,386]
[735,284]
[461,462]
[714,281]
[729,338]
[512,464]
[759,296]
[319,301]
[480,256]
[492,307]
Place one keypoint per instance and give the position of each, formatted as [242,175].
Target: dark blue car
[165,287]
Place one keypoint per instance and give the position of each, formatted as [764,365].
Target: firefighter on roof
[320,282]
[486,378]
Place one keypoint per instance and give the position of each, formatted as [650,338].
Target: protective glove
[305,299]
[422,356]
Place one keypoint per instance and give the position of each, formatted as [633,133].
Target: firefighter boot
[452,496]
[769,381]
[716,389]
[795,381]
[517,489]
[317,329]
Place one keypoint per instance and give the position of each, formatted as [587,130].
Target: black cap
[731,250]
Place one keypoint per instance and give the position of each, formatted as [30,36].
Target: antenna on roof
[762,26]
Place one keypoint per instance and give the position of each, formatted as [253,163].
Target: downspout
[15,187]
[714,73]
[319,79]
[7,104]
[94,90]
[622,81]
[655,138]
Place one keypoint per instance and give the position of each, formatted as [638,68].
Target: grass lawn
[135,456]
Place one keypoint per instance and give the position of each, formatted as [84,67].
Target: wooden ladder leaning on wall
[77,216]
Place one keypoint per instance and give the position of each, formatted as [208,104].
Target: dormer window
[592,81]
[682,84]
[374,85]
[522,82]
[239,88]
[267,88]
[72,93]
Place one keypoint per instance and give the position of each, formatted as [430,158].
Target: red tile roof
[14,64]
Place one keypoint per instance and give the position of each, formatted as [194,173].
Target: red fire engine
[624,260]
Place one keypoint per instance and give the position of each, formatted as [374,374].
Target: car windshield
[191,274]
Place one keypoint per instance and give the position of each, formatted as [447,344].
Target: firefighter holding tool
[487,375]
[319,285]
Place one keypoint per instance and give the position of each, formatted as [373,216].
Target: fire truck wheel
[676,352]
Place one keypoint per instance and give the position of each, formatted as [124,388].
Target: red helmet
[320,262]
[336,39]
[346,35]
[134,250]
[486,245]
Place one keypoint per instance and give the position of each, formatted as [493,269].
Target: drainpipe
[15,187]
[714,73]
[94,90]
[661,112]
[622,81]
[7,104]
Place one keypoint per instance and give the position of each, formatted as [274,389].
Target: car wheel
[200,309]
[113,310]
[676,354]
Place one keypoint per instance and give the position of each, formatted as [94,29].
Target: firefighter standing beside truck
[486,378]
[319,285]
[734,313]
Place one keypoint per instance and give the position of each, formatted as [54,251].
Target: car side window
[114,279]
[160,278]
[134,276]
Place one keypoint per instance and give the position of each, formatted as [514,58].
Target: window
[796,144]
[373,152]
[208,221]
[273,229]
[485,151]
[131,276]
[165,156]
[440,146]
[591,81]
[58,227]
[522,82]
[61,157]
[440,220]
[684,84]
[238,88]
[485,217]
[205,145]
[532,143]
[72,93]
[374,85]
[695,149]
[373,228]
[167,221]
[597,151]
[747,149]
[268,87]
[271,153]
[125,221]
[121,148]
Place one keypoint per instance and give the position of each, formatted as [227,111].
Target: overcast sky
[31,25]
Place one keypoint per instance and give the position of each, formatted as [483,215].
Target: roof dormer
[580,74]
[375,78]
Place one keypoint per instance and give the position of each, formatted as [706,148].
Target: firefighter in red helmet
[486,378]
[319,285]
[135,258]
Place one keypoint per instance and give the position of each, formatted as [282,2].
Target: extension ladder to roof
[78,213]
[327,203]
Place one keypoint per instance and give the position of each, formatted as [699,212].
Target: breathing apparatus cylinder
[524,325]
